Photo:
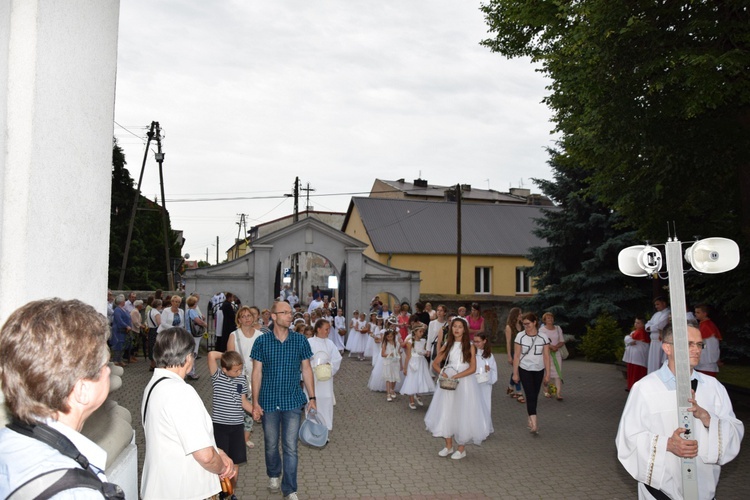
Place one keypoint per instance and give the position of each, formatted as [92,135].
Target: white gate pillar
[58,62]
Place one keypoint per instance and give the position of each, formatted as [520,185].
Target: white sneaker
[445,452]
[458,455]
[412,406]
[274,484]
[292,496]
[419,401]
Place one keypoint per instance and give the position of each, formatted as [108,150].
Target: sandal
[509,392]
[521,399]
[559,398]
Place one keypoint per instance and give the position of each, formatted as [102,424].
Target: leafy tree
[652,101]
[576,274]
[146,267]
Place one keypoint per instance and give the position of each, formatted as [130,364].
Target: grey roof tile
[427,227]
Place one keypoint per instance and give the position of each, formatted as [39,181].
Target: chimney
[420,183]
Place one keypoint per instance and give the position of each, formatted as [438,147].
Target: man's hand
[257,412]
[699,412]
[681,447]
[311,405]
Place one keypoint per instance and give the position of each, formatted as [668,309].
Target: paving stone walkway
[381,450]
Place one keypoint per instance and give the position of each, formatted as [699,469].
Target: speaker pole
[685,419]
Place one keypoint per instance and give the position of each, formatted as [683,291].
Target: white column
[58,63]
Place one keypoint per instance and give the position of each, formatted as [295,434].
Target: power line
[275,197]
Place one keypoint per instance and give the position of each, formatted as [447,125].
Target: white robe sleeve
[335,356]
[720,442]
[640,451]
[493,369]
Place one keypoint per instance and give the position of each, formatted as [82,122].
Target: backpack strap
[50,483]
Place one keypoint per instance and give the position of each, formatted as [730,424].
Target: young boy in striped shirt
[229,404]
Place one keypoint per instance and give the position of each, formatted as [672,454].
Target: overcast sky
[250,94]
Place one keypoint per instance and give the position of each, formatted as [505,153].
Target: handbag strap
[148,396]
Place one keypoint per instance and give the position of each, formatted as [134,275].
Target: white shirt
[532,351]
[650,418]
[22,458]
[176,425]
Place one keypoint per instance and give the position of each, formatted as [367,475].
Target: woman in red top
[476,321]
[403,322]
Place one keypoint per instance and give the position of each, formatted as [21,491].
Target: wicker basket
[447,384]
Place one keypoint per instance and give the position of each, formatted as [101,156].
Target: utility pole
[217,250]
[240,225]
[121,281]
[296,199]
[308,189]
[206,254]
[295,257]
[160,160]
[458,239]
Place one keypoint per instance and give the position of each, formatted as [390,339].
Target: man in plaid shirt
[278,357]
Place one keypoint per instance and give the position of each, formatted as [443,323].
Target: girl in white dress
[486,373]
[324,388]
[391,363]
[370,348]
[339,325]
[418,380]
[376,382]
[459,414]
[353,341]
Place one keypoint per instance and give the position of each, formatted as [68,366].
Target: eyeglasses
[283,312]
[691,345]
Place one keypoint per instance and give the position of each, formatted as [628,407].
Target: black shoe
[193,377]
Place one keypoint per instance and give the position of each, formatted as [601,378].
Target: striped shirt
[227,399]
[280,388]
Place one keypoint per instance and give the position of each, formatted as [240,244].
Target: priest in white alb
[649,441]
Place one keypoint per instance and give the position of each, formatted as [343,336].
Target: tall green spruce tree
[146,269]
[576,274]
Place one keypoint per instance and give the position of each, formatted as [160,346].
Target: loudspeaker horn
[639,261]
[713,255]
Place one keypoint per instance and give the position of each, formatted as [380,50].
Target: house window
[523,283]
[482,279]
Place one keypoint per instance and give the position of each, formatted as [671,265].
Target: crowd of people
[272,366]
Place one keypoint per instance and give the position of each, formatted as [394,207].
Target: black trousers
[531,382]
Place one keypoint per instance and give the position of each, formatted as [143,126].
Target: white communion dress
[418,379]
[461,413]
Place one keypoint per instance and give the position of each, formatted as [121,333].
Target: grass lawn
[738,375]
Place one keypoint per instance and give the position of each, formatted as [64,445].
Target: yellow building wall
[438,272]
[238,250]
[356,229]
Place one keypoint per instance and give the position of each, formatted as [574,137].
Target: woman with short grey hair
[182,460]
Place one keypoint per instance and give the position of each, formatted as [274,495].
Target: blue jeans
[284,425]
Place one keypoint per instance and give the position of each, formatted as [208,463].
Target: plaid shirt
[280,388]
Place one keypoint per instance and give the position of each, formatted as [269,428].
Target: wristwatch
[313,398]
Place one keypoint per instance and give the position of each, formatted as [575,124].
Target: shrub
[602,341]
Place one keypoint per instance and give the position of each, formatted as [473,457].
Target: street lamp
[710,256]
